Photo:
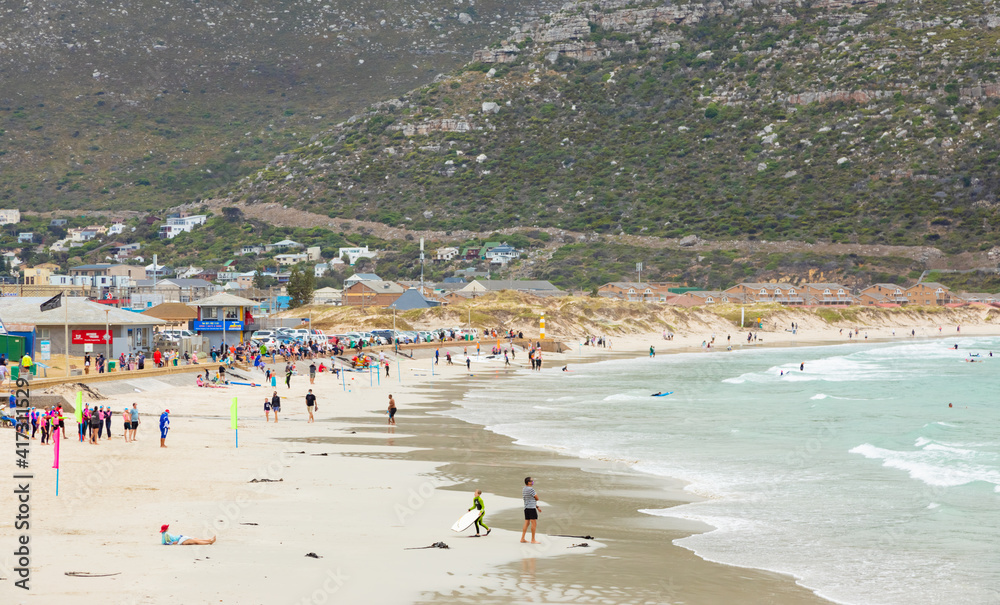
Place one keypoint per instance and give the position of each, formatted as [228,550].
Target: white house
[502,254]
[320,269]
[353,254]
[116,228]
[25,237]
[313,254]
[290,259]
[10,216]
[445,254]
[181,224]
[251,249]
[82,234]
[359,277]
[282,245]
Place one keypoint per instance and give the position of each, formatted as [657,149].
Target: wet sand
[639,563]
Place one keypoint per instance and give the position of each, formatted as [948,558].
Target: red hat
[164,528]
[168,411]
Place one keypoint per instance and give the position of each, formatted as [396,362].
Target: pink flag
[55,429]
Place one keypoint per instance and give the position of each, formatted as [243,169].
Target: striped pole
[541,326]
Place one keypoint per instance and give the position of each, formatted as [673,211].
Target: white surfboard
[466,520]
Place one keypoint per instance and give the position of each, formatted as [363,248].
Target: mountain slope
[150,103]
[830,121]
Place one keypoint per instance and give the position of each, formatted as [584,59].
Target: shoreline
[203,487]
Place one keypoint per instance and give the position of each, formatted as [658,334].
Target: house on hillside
[58,222]
[354,253]
[285,244]
[251,249]
[180,290]
[287,260]
[445,254]
[471,253]
[176,225]
[10,216]
[116,228]
[502,254]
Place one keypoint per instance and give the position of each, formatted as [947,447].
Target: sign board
[90,336]
[88,347]
[46,349]
[215,325]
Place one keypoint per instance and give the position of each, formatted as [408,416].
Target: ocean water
[853,474]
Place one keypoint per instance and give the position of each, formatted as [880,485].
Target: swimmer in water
[802,367]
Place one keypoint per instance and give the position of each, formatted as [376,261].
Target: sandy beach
[358,493]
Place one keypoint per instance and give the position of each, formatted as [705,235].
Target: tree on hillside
[300,287]
[233,215]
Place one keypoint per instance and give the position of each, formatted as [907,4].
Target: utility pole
[421,265]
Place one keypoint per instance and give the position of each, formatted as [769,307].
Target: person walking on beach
[288,379]
[133,420]
[392,411]
[477,503]
[267,410]
[652,351]
[312,373]
[311,404]
[531,509]
[275,405]
[164,427]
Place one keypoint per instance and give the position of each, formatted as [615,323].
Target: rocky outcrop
[504,54]
[443,125]
[979,92]
[581,51]
[856,96]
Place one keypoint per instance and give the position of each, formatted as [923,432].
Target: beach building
[628,290]
[357,277]
[413,299]
[133,272]
[531,286]
[173,289]
[882,294]
[701,298]
[371,293]
[782,293]
[928,293]
[327,296]
[224,318]
[90,323]
[825,294]
[39,274]
[175,315]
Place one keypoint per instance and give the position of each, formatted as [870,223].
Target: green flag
[79,407]
[232,413]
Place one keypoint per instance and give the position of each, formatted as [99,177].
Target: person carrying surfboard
[477,503]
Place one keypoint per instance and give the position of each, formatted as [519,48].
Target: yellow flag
[232,413]
[79,407]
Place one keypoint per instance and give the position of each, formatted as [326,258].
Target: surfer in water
[477,503]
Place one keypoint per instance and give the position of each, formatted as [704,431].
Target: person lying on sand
[169,540]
